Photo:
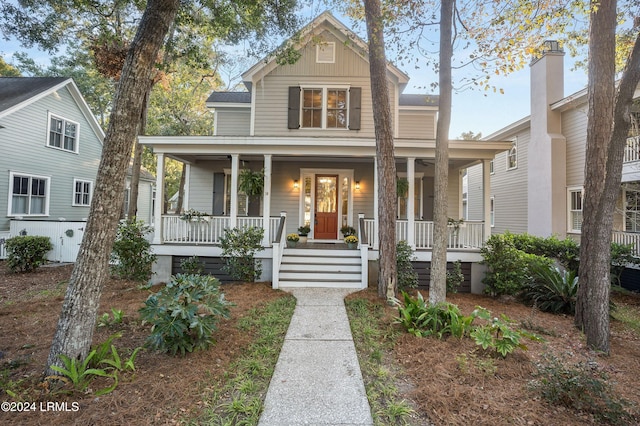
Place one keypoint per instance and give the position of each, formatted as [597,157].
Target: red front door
[326,220]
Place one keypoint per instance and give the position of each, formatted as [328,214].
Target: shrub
[552,290]
[239,246]
[566,251]
[27,253]
[407,276]
[192,266]
[131,257]
[581,387]
[508,266]
[184,314]
[497,334]
[455,277]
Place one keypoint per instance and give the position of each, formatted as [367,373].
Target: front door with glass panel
[326,207]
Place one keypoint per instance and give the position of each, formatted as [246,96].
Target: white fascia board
[228,105]
[517,126]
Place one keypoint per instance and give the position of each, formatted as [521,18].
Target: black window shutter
[355,100]
[294,107]
[218,194]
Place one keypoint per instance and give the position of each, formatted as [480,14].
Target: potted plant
[352,241]
[402,187]
[348,230]
[292,239]
[303,232]
[251,183]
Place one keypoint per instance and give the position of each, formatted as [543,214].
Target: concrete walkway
[317,379]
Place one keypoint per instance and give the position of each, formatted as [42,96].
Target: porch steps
[320,268]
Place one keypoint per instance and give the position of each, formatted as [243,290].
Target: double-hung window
[324,107]
[28,195]
[63,134]
[575,209]
[512,156]
[82,192]
[632,210]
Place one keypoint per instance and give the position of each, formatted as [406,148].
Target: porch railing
[628,238]
[207,229]
[470,234]
[632,150]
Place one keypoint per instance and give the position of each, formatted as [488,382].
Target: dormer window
[324,108]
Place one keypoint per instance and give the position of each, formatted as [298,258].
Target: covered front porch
[324,184]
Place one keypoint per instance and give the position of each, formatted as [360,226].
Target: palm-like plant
[552,290]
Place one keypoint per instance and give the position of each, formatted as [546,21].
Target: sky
[477,110]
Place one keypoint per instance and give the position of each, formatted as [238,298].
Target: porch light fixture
[296,185]
[357,185]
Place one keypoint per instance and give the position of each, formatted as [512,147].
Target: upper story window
[63,133]
[326,52]
[324,108]
[491,170]
[28,195]
[82,190]
[512,156]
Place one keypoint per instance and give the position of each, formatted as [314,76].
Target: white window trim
[333,52]
[492,211]
[47,195]
[77,139]
[73,197]
[492,169]
[571,190]
[513,147]
[325,88]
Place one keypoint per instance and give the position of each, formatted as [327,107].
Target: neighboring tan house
[537,186]
[309,126]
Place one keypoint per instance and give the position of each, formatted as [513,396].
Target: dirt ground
[449,380]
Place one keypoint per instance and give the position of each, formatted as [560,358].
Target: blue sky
[473,110]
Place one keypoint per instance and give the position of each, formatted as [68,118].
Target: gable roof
[418,100]
[323,21]
[19,92]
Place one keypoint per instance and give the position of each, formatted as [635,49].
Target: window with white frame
[324,108]
[82,190]
[491,169]
[28,195]
[326,52]
[63,133]
[575,209]
[512,156]
[492,211]
[243,199]
[632,210]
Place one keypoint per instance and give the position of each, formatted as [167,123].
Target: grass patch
[373,338]
[239,399]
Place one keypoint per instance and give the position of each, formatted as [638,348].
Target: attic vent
[326,53]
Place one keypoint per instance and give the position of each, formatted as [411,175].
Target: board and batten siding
[232,122]
[509,189]
[25,131]
[350,68]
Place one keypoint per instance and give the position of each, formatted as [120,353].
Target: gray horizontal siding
[574,128]
[233,122]
[475,193]
[26,131]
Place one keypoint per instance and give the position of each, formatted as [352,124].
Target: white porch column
[266,202]
[376,238]
[411,201]
[486,198]
[159,208]
[233,214]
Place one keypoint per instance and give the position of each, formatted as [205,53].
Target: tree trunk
[438,276]
[388,198]
[607,130]
[74,332]
[137,161]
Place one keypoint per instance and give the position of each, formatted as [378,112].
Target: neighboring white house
[536,186]
[309,126]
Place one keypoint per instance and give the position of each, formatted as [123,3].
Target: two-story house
[309,127]
[537,185]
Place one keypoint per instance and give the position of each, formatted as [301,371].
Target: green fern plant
[80,375]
